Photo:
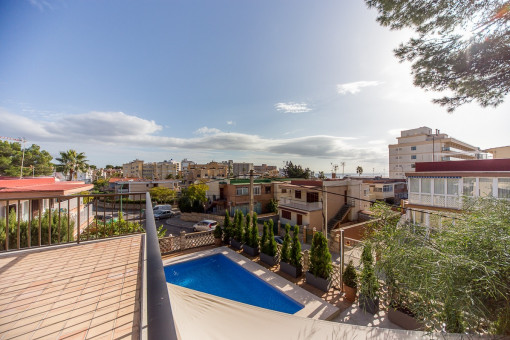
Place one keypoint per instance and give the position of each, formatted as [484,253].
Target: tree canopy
[193,197]
[295,171]
[162,194]
[462,47]
[71,162]
[37,162]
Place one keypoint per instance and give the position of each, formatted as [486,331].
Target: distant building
[132,186]
[441,186]
[167,168]
[389,190]
[133,169]
[499,152]
[205,172]
[242,170]
[149,170]
[266,170]
[421,145]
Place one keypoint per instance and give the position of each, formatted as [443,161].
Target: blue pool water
[220,276]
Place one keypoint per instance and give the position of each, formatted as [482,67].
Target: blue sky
[255,81]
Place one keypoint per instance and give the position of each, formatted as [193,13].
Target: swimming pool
[220,276]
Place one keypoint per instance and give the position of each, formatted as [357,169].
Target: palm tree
[71,162]
[359,170]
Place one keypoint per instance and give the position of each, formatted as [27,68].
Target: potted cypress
[252,246]
[218,233]
[227,228]
[237,239]
[350,282]
[268,246]
[319,274]
[368,295]
[293,265]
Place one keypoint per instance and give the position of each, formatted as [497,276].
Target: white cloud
[122,130]
[395,132]
[41,4]
[205,130]
[355,87]
[292,107]
[230,122]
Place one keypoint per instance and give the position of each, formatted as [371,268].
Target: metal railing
[160,321]
[28,222]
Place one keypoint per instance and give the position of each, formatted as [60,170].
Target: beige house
[316,203]
[133,169]
[422,145]
[207,171]
[143,186]
[499,152]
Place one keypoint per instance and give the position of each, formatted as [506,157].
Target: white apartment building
[422,145]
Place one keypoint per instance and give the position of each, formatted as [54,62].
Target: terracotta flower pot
[350,293]
[218,242]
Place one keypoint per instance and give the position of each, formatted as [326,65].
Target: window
[503,187]
[297,194]
[414,184]
[413,156]
[286,214]
[425,185]
[268,189]
[485,186]
[387,188]
[312,197]
[413,166]
[256,190]
[240,191]
[468,187]
[413,148]
[439,186]
[452,186]
[284,191]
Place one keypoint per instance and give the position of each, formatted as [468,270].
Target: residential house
[266,170]
[142,186]
[389,190]
[499,152]
[17,193]
[441,186]
[133,169]
[421,145]
[308,202]
[242,170]
[205,172]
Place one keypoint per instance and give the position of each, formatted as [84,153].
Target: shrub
[271,247]
[218,233]
[227,227]
[246,232]
[320,257]
[285,255]
[368,280]
[263,241]
[238,226]
[272,206]
[295,249]
[254,233]
[349,277]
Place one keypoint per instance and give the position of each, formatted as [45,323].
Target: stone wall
[197,217]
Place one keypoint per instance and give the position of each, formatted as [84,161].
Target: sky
[265,81]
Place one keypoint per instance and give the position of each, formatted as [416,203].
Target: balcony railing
[286,202]
[50,220]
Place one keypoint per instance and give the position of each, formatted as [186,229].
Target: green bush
[263,240]
[368,280]
[254,233]
[227,227]
[285,255]
[247,228]
[238,226]
[320,257]
[218,232]
[349,277]
[295,249]
[271,248]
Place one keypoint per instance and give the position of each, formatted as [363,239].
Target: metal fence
[28,222]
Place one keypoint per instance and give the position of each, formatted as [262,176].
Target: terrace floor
[86,291]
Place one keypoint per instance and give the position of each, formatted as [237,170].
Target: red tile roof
[41,184]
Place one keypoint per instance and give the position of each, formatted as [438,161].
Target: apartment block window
[414,184]
[485,186]
[413,148]
[268,190]
[312,197]
[468,187]
[452,186]
[256,190]
[297,194]
[504,188]
[439,186]
[284,191]
[425,185]
[387,188]
[413,156]
[241,191]
[413,165]
[286,214]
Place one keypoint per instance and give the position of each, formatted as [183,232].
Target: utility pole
[325,209]
[343,166]
[251,192]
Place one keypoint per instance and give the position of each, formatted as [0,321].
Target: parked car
[278,239]
[160,214]
[205,225]
[162,207]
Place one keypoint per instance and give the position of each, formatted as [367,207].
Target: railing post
[18,210]
[79,220]
[183,240]
[7,225]
[341,260]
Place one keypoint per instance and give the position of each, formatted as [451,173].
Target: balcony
[289,203]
